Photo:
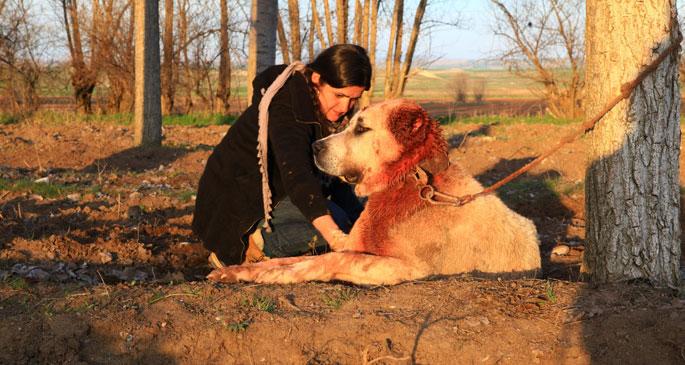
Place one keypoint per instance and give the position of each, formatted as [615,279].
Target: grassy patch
[198,120]
[238,326]
[18,283]
[51,117]
[260,302]
[507,120]
[47,190]
[6,119]
[339,297]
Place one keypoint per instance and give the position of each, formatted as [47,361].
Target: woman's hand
[330,231]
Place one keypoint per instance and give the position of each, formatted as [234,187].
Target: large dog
[389,150]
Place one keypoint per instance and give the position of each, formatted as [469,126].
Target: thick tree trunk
[632,184]
[223,92]
[262,52]
[168,64]
[148,111]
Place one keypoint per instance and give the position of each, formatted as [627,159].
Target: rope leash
[428,192]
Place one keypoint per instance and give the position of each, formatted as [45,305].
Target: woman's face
[334,102]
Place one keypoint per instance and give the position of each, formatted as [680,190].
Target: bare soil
[106,270]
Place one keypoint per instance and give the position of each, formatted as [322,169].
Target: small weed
[186,195]
[6,119]
[340,297]
[238,326]
[262,303]
[18,284]
[549,291]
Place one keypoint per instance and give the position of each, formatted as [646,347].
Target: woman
[309,209]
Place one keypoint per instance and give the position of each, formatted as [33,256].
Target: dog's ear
[407,122]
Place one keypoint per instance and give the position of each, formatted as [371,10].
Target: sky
[472,40]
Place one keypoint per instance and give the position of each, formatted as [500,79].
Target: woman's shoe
[214,261]
[254,251]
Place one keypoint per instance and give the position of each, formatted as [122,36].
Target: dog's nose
[318,146]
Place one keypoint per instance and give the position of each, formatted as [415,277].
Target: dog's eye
[359,129]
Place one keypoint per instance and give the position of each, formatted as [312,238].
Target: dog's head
[381,145]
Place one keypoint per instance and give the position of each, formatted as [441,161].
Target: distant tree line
[86,47]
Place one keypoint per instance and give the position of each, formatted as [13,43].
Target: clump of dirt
[98,265]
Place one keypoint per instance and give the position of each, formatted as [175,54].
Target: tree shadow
[534,196]
[137,159]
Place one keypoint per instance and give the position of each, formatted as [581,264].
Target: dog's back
[483,236]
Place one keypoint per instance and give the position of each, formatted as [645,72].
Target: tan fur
[483,236]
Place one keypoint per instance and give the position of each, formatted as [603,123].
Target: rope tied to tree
[428,193]
[263,135]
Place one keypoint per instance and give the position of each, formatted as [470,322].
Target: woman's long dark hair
[343,65]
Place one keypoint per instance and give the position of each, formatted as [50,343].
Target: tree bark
[294,19]
[223,92]
[341,10]
[368,95]
[283,40]
[413,39]
[148,111]
[167,66]
[358,18]
[365,24]
[632,183]
[393,42]
[317,26]
[329,22]
[262,48]
[82,78]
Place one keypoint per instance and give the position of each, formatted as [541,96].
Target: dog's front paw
[223,275]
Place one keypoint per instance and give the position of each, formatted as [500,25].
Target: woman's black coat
[229,197]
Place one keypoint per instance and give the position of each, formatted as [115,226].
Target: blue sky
[473,39]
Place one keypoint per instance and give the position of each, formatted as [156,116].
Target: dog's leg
[356,268]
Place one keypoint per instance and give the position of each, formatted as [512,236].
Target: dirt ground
[106,271]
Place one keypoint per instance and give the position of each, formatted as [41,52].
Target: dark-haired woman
[304,103]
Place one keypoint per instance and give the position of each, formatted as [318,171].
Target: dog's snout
[318,146]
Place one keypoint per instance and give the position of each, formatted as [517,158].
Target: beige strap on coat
[263,135]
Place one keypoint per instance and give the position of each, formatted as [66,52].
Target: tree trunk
[329,22]
[82,79]
[632,183]
[413,39]
[341,15]
[223,92]
[148,113]
[365,24]
[183,42]
[358,18]
[317,27]
[167,66]
[283,40]
[393,42]
[294,19]
[262,48]
[368,95]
